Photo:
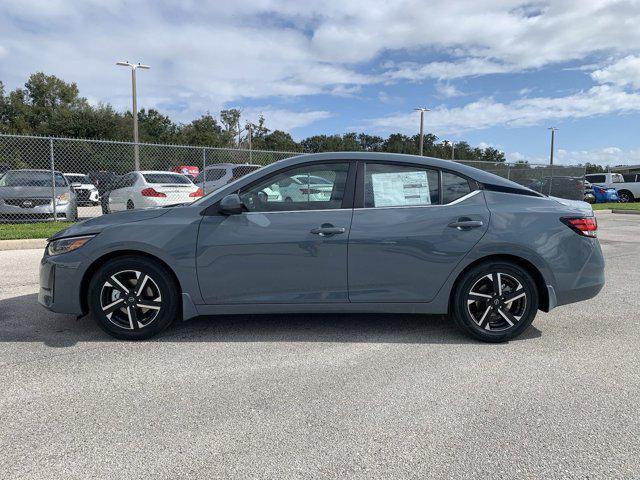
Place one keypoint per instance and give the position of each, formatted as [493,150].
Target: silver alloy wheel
[130,299]
[497,301]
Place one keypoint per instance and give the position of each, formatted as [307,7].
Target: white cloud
[486,112]
[624,72]
[287,120]
[447,90]
[611,156]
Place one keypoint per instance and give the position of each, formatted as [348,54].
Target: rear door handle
[466,224]
[327,231]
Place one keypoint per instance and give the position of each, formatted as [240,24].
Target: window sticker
[400,188]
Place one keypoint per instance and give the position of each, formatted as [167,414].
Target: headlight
[63,197]
[65,245]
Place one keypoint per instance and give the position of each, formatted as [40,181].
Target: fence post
[53,180]
[508,171]
[204,167]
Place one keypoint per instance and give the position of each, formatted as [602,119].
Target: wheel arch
[98,262]
[535,273]
[624,190]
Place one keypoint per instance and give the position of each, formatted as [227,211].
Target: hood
[97,224]
[30,192]
[583,207]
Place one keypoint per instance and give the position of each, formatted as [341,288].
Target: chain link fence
[44,179]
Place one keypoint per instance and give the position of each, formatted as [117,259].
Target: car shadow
[23,320]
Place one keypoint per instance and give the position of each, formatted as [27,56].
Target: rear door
[277,251]
[411,226]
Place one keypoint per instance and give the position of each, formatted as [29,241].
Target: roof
[621,168]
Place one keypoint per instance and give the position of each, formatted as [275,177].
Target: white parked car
[301,188]
[86,191]
[627,186]
[219,174]
[147,189]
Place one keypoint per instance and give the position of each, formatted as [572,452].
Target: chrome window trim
[461,199]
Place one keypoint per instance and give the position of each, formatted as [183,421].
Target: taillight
[198,193]
[152,192]
[586,226]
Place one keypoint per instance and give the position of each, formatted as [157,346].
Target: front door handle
[465,224]
[327,231]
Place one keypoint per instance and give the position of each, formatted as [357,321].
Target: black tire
[288,200]
[73,215]
[625,197]
[159,291]
[482,317]
[130,205]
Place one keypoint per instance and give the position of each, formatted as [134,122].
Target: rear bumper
[585,283]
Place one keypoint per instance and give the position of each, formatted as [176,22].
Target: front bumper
[60,283]
[14,213]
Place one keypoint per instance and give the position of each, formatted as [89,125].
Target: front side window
[399,186]
[453,187]
[617,178]
[310,187]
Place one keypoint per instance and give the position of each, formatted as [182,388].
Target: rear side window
[399,186]
[453,187]
[166,178]
[243,170]
[215,174]
[596,178]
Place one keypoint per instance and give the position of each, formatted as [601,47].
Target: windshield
[31,179]
[78,179]
[166,178]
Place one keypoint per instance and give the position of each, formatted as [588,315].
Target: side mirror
[231,205]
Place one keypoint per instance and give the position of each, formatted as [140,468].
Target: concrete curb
[601,212]
[23,244]
[626,212]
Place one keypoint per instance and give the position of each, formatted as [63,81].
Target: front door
[279,251]
[414,226]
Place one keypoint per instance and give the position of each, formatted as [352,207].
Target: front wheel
[133,298]
[495,302]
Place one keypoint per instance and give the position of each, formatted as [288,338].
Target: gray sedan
[31,195]
[397,233]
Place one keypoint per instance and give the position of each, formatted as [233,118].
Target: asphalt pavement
[325,396]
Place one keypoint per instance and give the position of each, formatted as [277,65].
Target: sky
[495,73]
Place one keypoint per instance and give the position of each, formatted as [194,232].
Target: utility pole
[422,110]
[453,150]
[553,137]
[134,67]
[250,139]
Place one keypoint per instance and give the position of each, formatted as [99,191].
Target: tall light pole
[134,67]
[453,149]
[422,110]
[553,137]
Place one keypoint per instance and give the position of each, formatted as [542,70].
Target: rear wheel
[625,196]
[495,302]
[133,298]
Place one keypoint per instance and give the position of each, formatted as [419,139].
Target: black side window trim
[349,188]
[359,191]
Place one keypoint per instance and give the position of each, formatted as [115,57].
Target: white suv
[627,186]
[219,174]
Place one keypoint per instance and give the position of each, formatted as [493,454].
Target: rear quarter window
[454,187]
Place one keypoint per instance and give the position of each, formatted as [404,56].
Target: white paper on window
[400,188]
